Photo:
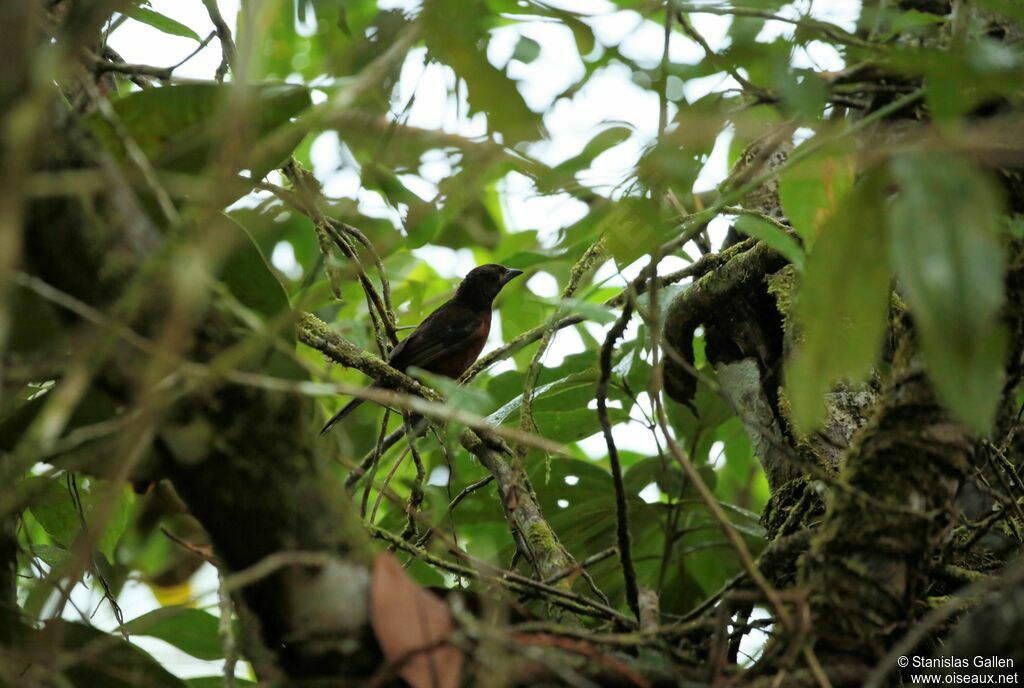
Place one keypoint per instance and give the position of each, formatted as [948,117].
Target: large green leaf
[945,245]
[180,128]
[582,380]
[575,424]
[842,304]
[192,631]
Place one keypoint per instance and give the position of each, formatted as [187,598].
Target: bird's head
[483,283]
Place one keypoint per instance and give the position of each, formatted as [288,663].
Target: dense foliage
[743,399]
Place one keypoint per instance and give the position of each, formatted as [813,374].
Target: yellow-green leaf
[842,303]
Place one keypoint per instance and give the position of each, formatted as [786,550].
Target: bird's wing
[443,332]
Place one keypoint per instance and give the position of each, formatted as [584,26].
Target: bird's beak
[510,275]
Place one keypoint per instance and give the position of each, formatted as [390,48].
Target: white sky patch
[419,186]
[435,166]
[717,166]
[556,68]
[325,154]
[525,209]
[544,285]
[753,643]
[449,263]
[697,88]
[717,229]
[405,5]
[716,455]
[608,273]
[843,13]
[650,493]
[628,437]
[612,403]
[436,105]
[565,343]
[283,258]
[819,56]
[138,43]
[438,476]
[612,28]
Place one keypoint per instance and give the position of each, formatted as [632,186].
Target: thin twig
[416,493]
[101,66]
[520,584]
[582,267]
[762,94]
[581,566]
[621,502]
[226,632]
[227,44]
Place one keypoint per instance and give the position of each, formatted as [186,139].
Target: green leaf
[906,22]
[178,128]
[248,275]
[55,510]
[161,22]
[774,236]
[584,379]
[813,188]
[632,229]
[192,631]
[575,424]
[588,310]
[842,303]
[804,94]
[54,557]
[1011,9]
[527,50]
[945,226]
[663,472]
[103,660]
[471,399]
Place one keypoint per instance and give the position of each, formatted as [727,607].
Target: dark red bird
[450,338]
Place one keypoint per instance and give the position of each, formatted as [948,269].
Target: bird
[449,340]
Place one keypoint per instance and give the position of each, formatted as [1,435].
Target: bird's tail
[342,414]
